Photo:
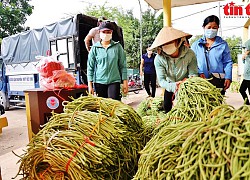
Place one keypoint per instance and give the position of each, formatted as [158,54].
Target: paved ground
[15,136]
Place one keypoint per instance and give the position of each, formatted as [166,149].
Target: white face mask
[169,48]
[105,37]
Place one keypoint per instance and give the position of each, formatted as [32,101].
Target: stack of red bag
[53,75]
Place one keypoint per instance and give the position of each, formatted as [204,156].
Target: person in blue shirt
[213,54]
[246,76]
[149,73]
[107,65]
[174,62]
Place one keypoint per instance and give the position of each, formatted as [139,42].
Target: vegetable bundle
[150,106]
[195,95]
[152,112]
[216,148]
[95,138]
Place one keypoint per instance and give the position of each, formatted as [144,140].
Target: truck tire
[4,100]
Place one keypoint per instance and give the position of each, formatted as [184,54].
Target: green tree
[151,25]
[13,15]
[235,45]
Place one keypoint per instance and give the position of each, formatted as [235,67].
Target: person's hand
[202,76]
[90,88]
[227,84]
[141,73]
[179,82]
[244,56]
[125,86]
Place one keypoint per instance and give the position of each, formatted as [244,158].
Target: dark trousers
[243,87]
[108,90]
[150,78]
[168,100]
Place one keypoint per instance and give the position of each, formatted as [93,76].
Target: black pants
[150,78]
[243,87]
[108,90]
[168,100]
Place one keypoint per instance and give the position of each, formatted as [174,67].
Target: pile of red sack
[53,75]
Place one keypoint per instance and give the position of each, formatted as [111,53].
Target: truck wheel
[4,100]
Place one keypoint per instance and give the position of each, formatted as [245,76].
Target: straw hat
[168,34]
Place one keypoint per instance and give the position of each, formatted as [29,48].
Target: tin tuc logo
[231,10]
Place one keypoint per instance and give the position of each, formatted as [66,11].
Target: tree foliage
[13,15]
[235,45]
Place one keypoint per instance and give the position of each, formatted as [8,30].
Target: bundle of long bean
[95,138]
[193,94]
[216,148]
[152,112]
[150,106]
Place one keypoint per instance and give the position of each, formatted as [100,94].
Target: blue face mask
[210,33]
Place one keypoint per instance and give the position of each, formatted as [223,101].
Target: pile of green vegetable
[152,112]
[95,138]
[195,96]
[150,106]
[216,148]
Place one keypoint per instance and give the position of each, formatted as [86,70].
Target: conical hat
[168,34]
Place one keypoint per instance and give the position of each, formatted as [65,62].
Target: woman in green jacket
[106,67]
[174,62]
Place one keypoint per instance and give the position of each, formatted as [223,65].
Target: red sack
[62,79]
[47,65]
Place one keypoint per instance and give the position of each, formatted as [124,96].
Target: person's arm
[194,48]
[89,37]
[87,41]
[245,54]
[161,75]
[123,68]
[91,70]
[227,64]
[192,67]
[141,66]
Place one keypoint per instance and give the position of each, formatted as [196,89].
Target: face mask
[210,33]
[105,37]
[169,48]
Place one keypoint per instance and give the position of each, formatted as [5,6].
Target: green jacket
[107,66]
[171,70]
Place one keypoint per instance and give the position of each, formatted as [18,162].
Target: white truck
[18,63]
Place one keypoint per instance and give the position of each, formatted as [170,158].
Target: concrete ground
[15,136]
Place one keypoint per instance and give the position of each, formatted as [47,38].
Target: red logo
[233,10]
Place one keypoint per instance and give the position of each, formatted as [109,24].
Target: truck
[18,62]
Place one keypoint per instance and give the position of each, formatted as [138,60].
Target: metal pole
[167,13]
[140,29]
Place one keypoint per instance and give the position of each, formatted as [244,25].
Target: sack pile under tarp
[95,138]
